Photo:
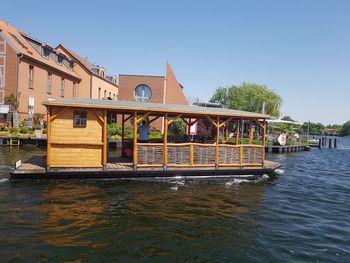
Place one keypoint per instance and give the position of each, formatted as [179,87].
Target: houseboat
[77,143]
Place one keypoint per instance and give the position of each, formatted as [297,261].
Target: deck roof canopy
[155,108]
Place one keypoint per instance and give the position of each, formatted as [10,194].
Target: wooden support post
[165,144]
[250,132]
[241,155]
[104,162]
[319,143]
[335,142]
[263,142]
[217,142]
[123,133]
[48,129]
[237,131]
[191,154]
[330,143]
[226,133]
[135,141]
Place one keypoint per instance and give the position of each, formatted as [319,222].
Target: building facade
[154,89]
[95,83]
[33,72]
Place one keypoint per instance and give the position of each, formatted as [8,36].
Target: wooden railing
[198,155]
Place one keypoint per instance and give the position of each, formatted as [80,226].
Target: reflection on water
[300,215]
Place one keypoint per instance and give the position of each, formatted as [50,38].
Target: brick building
[156,89]
[35,72]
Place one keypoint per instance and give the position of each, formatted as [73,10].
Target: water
[300,215]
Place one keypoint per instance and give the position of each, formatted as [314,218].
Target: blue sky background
[299,48]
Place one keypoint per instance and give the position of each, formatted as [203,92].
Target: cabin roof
[128,106]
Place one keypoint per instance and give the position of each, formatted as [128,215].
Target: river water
[301,214]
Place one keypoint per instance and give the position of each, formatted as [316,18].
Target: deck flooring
[37,164]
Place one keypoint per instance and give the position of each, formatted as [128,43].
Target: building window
[79,119]
[62,87]
[30,77]
[99,93]
[113,96]
[49,82]
[105,95]
[59,60]
[46,53]
[143,93]
[110,95]
[74,89]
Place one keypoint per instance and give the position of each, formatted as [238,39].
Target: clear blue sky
[298,48]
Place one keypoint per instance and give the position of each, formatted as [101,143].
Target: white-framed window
[49,82]
[143,93]
[62,87]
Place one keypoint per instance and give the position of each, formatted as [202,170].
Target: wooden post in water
[319,143]
[335,142]
[330,143]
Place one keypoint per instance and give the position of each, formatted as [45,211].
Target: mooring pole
[330,143]
[335,142]
[319,143]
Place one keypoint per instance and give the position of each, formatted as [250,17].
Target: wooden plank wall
[76,147]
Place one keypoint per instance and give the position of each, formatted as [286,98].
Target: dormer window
[102,73]
[59,60]
[46,53]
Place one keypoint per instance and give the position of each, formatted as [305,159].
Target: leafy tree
[248,97]
[314,128]
[13,101]
[287,118]
[345,130]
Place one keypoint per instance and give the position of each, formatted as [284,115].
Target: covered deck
[237,146]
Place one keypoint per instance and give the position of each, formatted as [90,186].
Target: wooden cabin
[77,140]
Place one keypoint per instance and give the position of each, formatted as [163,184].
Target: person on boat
[143,131]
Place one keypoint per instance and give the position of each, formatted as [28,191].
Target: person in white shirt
[143,131]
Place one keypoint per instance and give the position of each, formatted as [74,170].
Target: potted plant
[38,131]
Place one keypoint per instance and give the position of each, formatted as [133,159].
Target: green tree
[248,97]
[345,130]
[314,128]
[287,118]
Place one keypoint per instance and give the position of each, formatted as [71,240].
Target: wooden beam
[155,118]
[165,145]
[174,119]
[128,118]
[143,117]
[217,142]
[135,141]
[48,130]
[104,138]
[52,118]
[228,120]
[99,118]
[212,121]
[193,122]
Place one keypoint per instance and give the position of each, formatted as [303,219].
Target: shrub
[24,130]
[14,130]
[37,127]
